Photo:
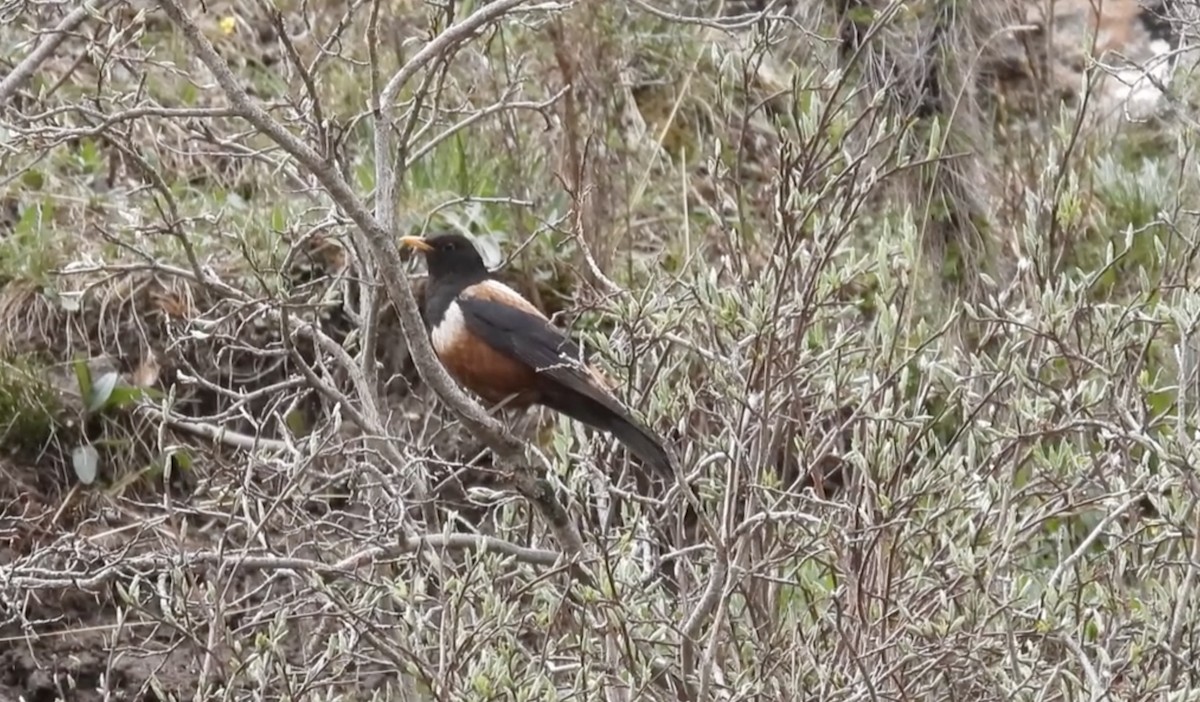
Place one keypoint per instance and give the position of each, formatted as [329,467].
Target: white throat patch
[450,330]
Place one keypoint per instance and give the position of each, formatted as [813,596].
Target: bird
[502,348]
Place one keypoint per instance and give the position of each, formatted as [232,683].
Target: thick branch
[46,48]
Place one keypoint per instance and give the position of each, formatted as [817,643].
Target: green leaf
[297,423]
[83,376]
[861,15]
[183,459]
[127,395]
[89,155]
[278,219]
[33,180]
[1159,402]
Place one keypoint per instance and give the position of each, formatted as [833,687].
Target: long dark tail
[643,443]
[605,414]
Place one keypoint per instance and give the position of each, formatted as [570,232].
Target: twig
[1098,689]
[219,434]
[443,44]
[30,577]
[1097,531]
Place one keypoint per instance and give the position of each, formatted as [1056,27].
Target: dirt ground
[81,666]
[69,644]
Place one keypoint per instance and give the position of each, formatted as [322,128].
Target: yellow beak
[416,242]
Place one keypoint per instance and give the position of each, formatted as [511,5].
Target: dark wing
[566,385]
[529,339]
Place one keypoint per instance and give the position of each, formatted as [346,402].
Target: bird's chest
[476,365]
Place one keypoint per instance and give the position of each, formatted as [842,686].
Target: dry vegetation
[921,333]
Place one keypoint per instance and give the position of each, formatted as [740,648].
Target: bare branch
[50,42]
[383,246]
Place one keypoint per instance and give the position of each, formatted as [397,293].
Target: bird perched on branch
[500,347]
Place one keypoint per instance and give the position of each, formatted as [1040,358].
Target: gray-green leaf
[86,460]
[102,390]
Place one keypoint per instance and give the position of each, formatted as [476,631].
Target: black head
[449,256]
